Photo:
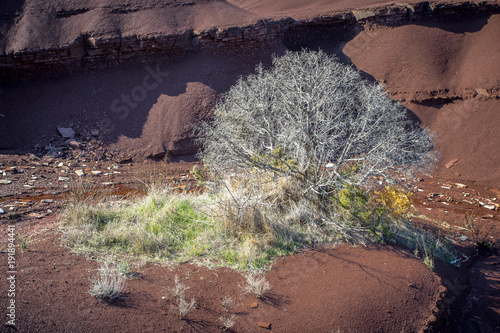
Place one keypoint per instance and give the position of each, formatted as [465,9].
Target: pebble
[2,211]
[94,132]
[74,144]
[264,325]
[95,172]
[5,181]
[63,179]
[107,183]
[490,207]
[80,173]
[47,201]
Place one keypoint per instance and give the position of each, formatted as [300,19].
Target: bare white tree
[314,119]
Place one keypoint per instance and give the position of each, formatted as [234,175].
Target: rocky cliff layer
[89,51]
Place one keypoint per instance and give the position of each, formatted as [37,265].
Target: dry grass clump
[479,235]
[256,285]
[228,321]
[227,302]
[108,283]
[182,306]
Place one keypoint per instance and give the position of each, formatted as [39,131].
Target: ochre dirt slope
[449,75]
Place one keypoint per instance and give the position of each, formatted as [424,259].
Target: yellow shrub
[395,199]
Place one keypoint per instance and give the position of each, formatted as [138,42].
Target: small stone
[66,132]
[254,305]
[74,144]
[95,172]
[490,207]
[47,201]
[5,181]
[264,325]
[80,172]
[463,238]
[34,177]
[60,164]
[107,183]
[94,132]
[487,216]
[2,211]
[63,179]
[460,185]
[451,163]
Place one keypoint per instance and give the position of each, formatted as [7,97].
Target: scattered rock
[80,172]
[264,325]
[66,132]
[63,179]
[74,144]
[95,172]
[490,207]
[5,181]
[47,201]
[460,185]
[451,163]
[2,211]
[254,305]
[463,238]
[487,216]
[126,160]
[107,183]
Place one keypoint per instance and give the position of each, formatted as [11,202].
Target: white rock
[329,165]
[47,201]
[96,172]
[2,211]
[80,172]
[460,185]
[491,207]
[66,132]
[107,183]
[5,181]
[63,179]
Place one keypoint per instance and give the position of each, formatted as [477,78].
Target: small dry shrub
[227,302]
[182,306]
[108,283]
[479,235]
[256,285]
[228,321]
[396,200]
